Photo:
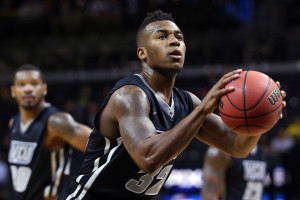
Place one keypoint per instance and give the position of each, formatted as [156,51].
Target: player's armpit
[62,126]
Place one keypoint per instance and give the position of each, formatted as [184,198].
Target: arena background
[85,46]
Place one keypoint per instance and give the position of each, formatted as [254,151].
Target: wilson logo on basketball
[274,96]
[221,104]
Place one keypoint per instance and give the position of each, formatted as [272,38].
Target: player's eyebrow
[167,31]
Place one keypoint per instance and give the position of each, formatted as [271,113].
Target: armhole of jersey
[190,99]
[105,102]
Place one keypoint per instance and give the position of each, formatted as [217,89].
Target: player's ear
[13,91]
[142,53]
[45,89]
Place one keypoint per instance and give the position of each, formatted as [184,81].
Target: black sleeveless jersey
[36,172]
[245,177]
[108,171]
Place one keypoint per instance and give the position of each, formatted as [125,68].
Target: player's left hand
[283,95]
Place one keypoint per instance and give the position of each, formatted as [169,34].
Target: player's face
[165,47]
[28,89]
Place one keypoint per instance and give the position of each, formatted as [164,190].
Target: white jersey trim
[95,174]
[56,172]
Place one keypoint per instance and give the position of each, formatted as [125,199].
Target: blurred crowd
[100,34]
[89,35]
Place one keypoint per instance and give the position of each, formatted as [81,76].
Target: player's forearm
[159,149]
[80,138]
[244,145]
[215,133]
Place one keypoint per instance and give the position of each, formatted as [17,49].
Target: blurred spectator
[282,142]
[292,163]
[240,27]
[5,183]
[293,128]
[92,111]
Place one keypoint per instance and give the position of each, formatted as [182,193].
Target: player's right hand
[210,101]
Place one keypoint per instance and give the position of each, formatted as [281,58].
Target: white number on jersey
[253,190]
[141,185]
[20,177]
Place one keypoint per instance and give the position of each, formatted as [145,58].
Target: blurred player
[39,138]
[145,122]
[228,178]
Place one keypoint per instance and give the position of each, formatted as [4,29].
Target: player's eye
[161,36]
[34,83]
[179,37]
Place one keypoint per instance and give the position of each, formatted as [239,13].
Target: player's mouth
[175,54]
[28,98]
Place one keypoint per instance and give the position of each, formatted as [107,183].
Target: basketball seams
[256,116]
[249,109]
[247,119]
[255,125]
[245,103]
[233,104]
[262,96]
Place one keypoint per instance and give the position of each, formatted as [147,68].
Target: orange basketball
[254,106]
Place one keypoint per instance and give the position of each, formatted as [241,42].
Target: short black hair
[29,67]
[157,15]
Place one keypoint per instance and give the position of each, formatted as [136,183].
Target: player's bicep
[62,125]
[132,112]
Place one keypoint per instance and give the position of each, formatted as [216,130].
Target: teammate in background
[39,140]
[145,122]
[228,178]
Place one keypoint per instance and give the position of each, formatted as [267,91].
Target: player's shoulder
[128,99]
[60,119]
[129,93]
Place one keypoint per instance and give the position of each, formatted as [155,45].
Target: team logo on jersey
[254,170]
[21,152]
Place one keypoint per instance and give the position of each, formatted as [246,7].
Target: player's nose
[28,88]
[173,40]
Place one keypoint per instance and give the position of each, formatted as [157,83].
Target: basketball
[254,106]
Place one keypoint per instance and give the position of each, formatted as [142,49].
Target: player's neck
[28,114]
[160,84]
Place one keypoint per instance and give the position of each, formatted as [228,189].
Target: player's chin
[29,106]
[177,66]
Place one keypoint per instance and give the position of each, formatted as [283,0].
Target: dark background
[85,46]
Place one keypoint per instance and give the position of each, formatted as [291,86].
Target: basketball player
[40,134]
[228,178]
[145,122]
